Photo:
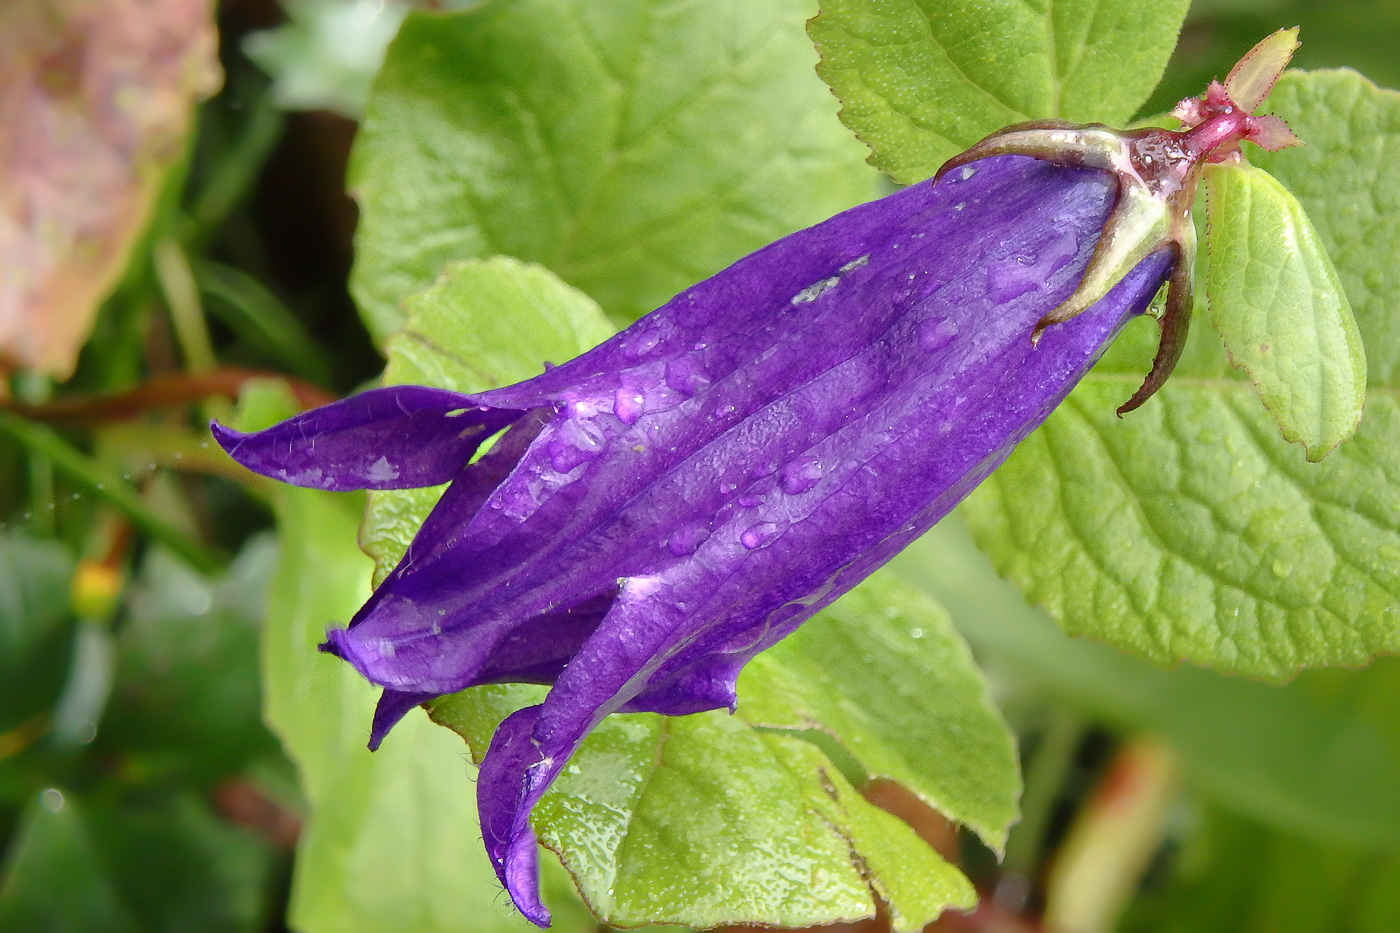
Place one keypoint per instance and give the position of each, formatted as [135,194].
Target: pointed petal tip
[521,879]
[226,437]
[392,707]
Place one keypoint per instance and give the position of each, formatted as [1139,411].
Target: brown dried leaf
[96,98]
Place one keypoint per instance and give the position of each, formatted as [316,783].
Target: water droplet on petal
[760,535]
[967,172]
[1012,277]
[639,341]
[628,405]
[686,541]
[799,476]
[686,375]
[936,334]
[1053,255]
[750,499]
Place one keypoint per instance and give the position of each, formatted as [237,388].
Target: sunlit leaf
[922,80]
[632,148]
[1318,757]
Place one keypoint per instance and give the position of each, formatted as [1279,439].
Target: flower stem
[1045,779]
[182,299]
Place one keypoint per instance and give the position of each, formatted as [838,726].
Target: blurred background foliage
[139,786]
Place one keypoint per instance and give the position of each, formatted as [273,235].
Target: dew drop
[916,633]
[799,476]
[760,535]
[967,172]
[640,343]
[1053,255]
[934,334]
[685,541]
[1011,278]
[628,405]
[52,798]
[686,375]
[566,457]
[750,499]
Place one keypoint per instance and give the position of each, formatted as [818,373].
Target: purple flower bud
[683,496]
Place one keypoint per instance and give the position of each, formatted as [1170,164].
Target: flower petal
[397,437]
[907,310]
[683,496]
[505,822]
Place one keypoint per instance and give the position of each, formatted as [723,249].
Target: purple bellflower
[674,501]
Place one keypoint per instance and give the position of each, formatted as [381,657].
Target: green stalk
[91,475]
[35,389]
[186,311]
[1045,779]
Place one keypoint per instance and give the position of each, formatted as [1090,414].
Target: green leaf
[1318,757]
[633,148]
[166,866]
[54,878]
[392,841]
[882,672]
[702,820]
[922,80]
[1275,298]
[36,627]
[1234,875]
[187,695]
[484,324]
[1191,530]
[180,867]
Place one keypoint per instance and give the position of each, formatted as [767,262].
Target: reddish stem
[168,391]
[1220,130]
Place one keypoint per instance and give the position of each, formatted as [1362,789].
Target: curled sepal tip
[1175,324]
